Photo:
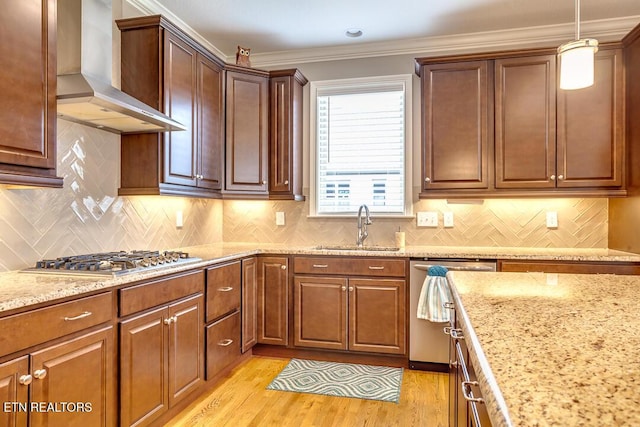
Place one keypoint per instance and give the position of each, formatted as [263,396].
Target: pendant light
[576,59]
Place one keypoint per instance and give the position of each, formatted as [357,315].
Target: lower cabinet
[273,300]
[249,303]
[573,267]
[355,314]
[161,359]
[70,384]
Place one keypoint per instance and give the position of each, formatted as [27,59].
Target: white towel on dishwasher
[435,292]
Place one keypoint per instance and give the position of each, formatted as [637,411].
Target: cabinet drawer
[223,344]
[162,291]
[38,326]
[350,266]
[223,290]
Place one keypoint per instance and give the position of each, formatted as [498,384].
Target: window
[359,155]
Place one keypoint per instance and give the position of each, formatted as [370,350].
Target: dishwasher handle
[426,267]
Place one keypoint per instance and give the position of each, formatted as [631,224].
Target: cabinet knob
[427,179]
[264,182]
[40,373]
[170,320]
[286,182]
[350,288]
[25,379]
[552,178]
[284,267]
[344,288]
[560,177]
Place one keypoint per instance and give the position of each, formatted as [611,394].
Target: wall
[88,216]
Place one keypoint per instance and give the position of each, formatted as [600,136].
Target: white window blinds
[360,145]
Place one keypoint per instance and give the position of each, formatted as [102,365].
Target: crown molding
[604,30]
[543,36]
[152,7]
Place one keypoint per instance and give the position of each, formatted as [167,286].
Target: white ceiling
[291,29]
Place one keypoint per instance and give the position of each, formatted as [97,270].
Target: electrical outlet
[279,218]
[427,219]
[552,219]
[179,219]
[448,219]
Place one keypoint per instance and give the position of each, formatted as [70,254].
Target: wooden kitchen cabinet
[355,313]
[224,287]
[162,348]
[167,70]
[249,303]
[285,134]
[572,267]
[247,132]
[273,300]
[28,87]
[457,125]
[68,357]
[525,116]
[542,141]
[591,126]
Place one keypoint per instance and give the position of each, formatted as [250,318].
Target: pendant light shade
[576,59]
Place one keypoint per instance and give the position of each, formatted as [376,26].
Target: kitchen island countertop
[553,349]
[20,290]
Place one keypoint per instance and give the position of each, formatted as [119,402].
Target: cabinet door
[525,122]
[591,127]
[223,289]
[210,129]
[320,312]
[13,392]
[285,140]
[186,348]
[249,303]
[78,370]
[273,300]
[247,132]
[179,99]
[377,317]
[28,83]
[144,354]
[456,125]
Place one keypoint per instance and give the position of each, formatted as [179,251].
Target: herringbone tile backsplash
[583,223]
[88,216]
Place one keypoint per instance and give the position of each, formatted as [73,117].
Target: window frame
[362,82]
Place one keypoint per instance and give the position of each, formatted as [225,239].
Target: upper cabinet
[28,87]
[285,134]
[247,132]
[495,125]
[164,68]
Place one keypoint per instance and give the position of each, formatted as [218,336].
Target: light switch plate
[279,218]
[427,219]
[448,219]
[552,219]
[179,219]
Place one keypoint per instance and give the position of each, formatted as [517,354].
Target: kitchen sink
[356,248]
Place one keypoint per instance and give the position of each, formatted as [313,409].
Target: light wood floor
[243,400]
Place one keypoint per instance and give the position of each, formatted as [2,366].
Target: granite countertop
[18,290]
[553,349]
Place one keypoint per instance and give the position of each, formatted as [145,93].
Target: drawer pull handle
[456,334]
[320,265]
[225,289]
[225,343]
[79,316]
[447,330]
[40,373]
[449,305]
[374,267]
[25,379]
[466,389]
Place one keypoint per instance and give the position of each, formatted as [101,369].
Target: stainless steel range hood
[85,94]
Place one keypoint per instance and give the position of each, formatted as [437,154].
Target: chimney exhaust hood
[85,94]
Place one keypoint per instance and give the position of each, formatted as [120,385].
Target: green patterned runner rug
[340,379]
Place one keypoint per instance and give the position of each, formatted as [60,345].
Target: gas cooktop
[111,263]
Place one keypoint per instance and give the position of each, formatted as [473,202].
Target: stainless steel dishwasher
[428,345]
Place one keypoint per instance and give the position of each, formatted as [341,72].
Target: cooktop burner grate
[111,263]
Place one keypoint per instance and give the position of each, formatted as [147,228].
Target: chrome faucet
[362,225]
